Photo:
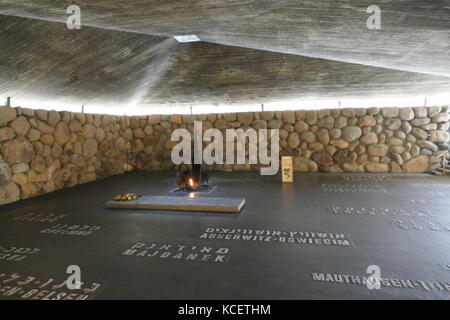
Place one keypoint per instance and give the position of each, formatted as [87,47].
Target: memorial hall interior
[224,149]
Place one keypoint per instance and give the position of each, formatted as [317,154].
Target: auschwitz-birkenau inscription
[409,224]
[178,252]
[16,286]
[71,230]
[366,177]
[345,187]
[385,282]
[382,212]
[16,253]
[40,217]
[297,237]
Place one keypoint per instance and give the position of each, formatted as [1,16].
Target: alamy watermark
[214,152]
[74,19]
[374,20]
[374,281]
[74,280]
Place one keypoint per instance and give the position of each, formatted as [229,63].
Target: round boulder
[323,136]
[89,131]
[322,158]
[256,124]
[5,174]
[351,133]
[137,146]
[377,167]
[439,136]
[6,134]
[393,123]
[418,164]
[62,133]
[301,126]
[367,121]
[293,140]
[406,114]
[308,136]
[377,150]
[369,138]
[53,118]
[245,118]
[6,115]
[20,126]
[288,117]
[90,147]
[311,117]
[33,135]
[9,193]
[18,150]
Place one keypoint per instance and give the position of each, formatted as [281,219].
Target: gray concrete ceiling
[205,72]
[258,50]
[45,61]
[414,35]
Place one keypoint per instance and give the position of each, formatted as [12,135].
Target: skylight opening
[187,38]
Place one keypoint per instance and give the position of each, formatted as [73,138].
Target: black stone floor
[313,239]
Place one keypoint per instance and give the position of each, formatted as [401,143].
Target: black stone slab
[290,236]
[189,203]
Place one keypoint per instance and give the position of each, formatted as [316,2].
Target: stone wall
[42,151]
[338,140]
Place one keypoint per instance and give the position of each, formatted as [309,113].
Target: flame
[191,182]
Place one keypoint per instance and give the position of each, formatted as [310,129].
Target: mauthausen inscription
[385,282]
[71,230]
[297,237]
[40,217]
[16,286]
[366,177]
[16,253]
[350,188]
[178,252]
[382,212]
